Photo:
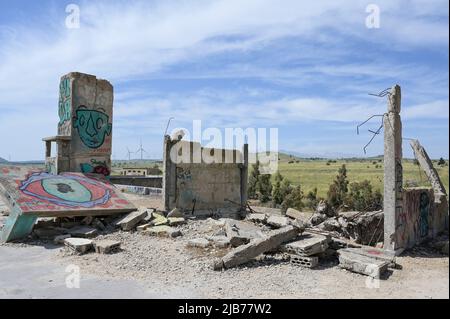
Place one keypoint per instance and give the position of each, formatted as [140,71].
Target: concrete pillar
[393,172]
[86,115]
[244,176]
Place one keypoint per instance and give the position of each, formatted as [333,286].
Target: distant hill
[3,161]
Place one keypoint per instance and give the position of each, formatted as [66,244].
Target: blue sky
[303,67]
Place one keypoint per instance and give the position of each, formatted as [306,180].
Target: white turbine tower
[142,151]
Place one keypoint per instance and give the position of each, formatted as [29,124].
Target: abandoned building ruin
[200,182]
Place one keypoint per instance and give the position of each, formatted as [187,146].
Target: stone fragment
[278,221]
[330,224]
[303,261]
[257,218]
[266,210]
[162,231]
[317,218]
[131,220]
[159,220]
[362,264]
[307,244]
[256,247]
[175,221]
[49,232]
[175,213]
[296,214]
[59,240]
[143,227]
[240,233]
[198,243]
[106,246]
[83,232]
[220,241]
[78,245]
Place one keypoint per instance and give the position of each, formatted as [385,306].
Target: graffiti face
[67,190]
[92,126]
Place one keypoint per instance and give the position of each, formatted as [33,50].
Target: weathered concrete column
[244,176]
[393,172]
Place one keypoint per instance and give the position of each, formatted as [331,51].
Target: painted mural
[44,192]
[95,167]
[64,106]
[92,125]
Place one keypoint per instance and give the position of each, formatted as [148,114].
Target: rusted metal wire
[382,93]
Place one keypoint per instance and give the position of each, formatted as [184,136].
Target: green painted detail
[17,226]
[67,189]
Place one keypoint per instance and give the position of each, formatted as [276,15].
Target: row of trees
[342,195]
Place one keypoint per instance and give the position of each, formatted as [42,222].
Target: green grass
[316,173]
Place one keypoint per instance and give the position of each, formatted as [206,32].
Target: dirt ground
[150,267]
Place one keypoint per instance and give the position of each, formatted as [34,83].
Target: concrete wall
[143,181]
[421,218]
[203,186]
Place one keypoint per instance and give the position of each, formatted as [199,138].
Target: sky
[304,67]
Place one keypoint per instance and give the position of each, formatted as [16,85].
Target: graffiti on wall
[424,208]
[64,107]
[92,125]
[95,167]
[65,190]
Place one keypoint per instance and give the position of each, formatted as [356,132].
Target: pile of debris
[78,234]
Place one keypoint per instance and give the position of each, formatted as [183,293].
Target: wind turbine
[141,150]
[129,153]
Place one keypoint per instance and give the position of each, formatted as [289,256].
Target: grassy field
[316,173]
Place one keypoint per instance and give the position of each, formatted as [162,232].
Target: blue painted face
[92,126]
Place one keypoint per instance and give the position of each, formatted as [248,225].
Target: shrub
[253,180]
[293,200]
[362,198]
[338,190]
[311,199]
[277,197]
[264,188]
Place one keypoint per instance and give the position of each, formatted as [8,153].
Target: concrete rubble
[129,221]
[78,245]
[106,246]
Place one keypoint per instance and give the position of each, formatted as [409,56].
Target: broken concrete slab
[240,233]
[256,247]
[175,213]
[342,243]
[175,221]
[220,241]
[131,220]
[309,262]
[377,253]
[266,210]
[198,243]
[306,244]
[162,231]
[49,232]
[317,218]
[278,221]
[296,214]
[106,246]
[257,218]
[159,220]
[78,245]
[362,264]
[143,227]
[83,231]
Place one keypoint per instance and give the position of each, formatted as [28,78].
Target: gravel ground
[167,265]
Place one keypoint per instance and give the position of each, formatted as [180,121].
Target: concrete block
[256,247]
[278,221]
[162,231]
[49,232]
[78,245]
[240,232]
[257,218]
[362,264]
[131,220]
[106,246]
[306,245]
[83,232]
[303,261]
[296,214]
[198,243]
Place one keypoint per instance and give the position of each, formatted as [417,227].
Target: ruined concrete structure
[84,137]
[214,182]
[410,215]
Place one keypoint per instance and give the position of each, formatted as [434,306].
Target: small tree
[311,199]
[264,188]
[276,191]
[441,162]
[293,200]
[253,180]
[339,189]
